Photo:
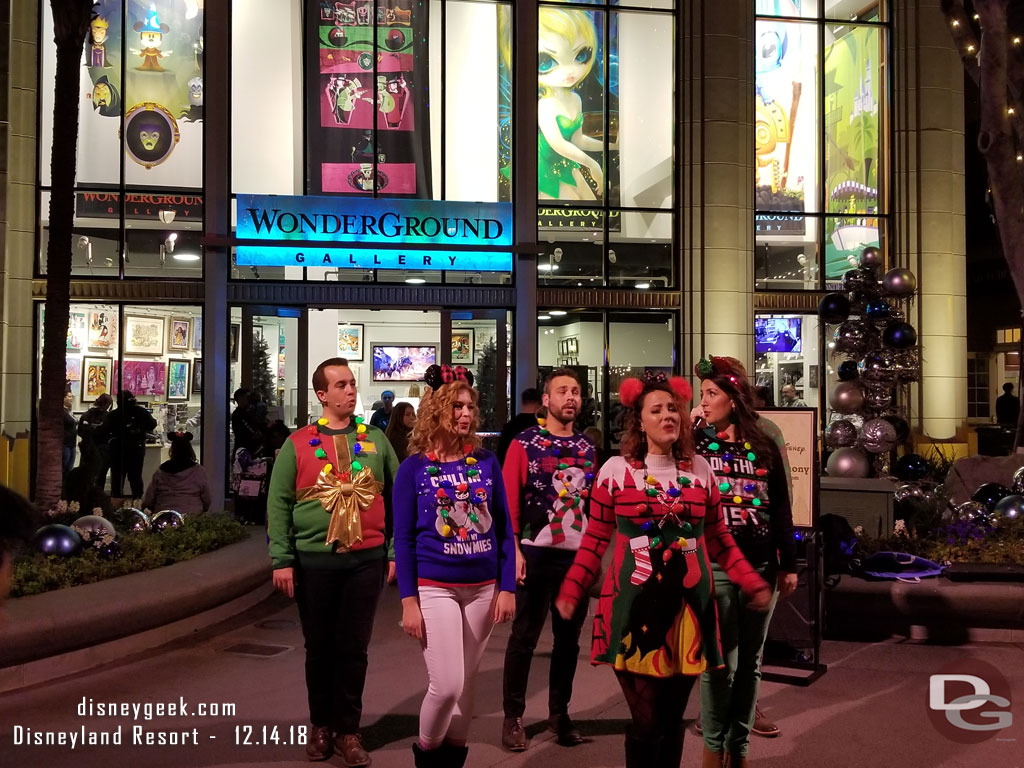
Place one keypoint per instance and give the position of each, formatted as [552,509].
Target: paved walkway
[868,710]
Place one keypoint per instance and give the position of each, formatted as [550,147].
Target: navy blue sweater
[436,539]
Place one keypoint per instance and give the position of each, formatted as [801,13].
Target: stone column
[718,180]
[928,204]
[18,216]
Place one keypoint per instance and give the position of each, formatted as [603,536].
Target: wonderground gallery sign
[373,233]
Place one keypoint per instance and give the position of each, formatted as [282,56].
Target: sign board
[799,427]
[387,231]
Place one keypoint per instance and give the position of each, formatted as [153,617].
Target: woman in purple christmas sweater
[455,558]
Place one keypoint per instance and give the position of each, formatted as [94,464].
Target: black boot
[672,747]
[452,756]
[428,758]
[642,753]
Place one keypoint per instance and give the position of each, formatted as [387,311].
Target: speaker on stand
[792,650]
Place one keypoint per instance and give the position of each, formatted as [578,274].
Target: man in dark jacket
[95,452]
[126,429]
[523,420]
[1007,407]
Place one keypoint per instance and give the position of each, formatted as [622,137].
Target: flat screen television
[402,363]
[777,334]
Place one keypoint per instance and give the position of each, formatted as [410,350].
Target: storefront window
[153,352]
[821,145]
[786,359]
[605,348]
[140,126]
[605,129]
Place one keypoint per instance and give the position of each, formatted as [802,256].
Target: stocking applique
[641,546]
[688,549]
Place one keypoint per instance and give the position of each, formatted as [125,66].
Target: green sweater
[298,530]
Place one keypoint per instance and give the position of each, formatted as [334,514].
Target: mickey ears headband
[631,389]
[437,376]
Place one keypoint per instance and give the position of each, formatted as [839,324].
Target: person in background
[1007,407]
[756,508]
[241,423]
[763,398]
[400,428]
[326,510]
[548,472]
[127,428]
[597,438]
[455,558]
[95,453]
[79,486]
[18,518]
[588,410]
[382,415]
[526,418]
[180,482]
[70,435]
[790,399]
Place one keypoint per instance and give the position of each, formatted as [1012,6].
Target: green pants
[728,696]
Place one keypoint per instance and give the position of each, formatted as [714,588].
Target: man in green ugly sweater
[326,523]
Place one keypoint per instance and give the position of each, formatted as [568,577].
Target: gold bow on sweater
[344,499]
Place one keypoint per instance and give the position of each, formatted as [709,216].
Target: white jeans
[458,622]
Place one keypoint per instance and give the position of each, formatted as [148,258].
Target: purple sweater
[472,552]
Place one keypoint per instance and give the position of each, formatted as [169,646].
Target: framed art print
[197,333]
[95,377]
[350,341]
[143,378]
[463,345]
[143,335]
[102,330]
[180,331]
[197,376]
[235,330]
[179,376]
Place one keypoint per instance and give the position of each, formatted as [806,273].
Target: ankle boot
[642,753]
[452,756]
[711,759]
[429,758]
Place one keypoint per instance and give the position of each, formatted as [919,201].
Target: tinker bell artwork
[577,104]
[366,99]
[159,47]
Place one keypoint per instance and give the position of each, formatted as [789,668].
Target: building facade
[680,179]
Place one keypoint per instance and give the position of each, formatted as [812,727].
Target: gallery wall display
[143,378]
[144,335]
[463,345]
[350,341]
[197,333]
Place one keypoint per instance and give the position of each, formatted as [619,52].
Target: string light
[1016,41]
[956,23]
[970,49]
[1009,110]
[1020,158]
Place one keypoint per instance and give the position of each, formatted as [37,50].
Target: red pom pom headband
[631,389]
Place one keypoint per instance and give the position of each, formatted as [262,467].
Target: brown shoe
[711,759]
[763,726]
[565,730]
[350,747]
[319,746]
[513,737]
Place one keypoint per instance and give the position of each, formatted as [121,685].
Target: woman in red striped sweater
[656,623]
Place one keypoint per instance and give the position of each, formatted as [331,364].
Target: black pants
[336,608]
[126,460]
[545,571]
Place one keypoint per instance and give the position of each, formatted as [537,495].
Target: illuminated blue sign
[387,222]
[315,255]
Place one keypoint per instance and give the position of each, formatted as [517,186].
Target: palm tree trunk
[71,24]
